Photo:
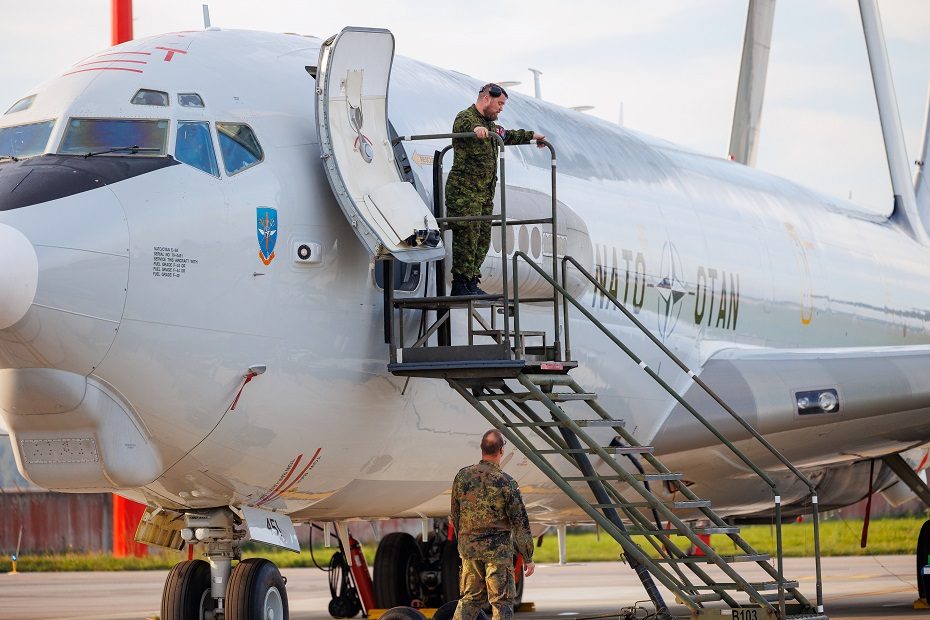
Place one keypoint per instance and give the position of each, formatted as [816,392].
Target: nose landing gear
[197,590]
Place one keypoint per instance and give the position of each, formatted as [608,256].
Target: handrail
[503,219]
[567,297]
[710,392]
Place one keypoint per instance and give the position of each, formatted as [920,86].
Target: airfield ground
[874,587]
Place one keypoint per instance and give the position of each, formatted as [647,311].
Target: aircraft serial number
[745,614]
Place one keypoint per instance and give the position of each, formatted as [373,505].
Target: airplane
[193,308]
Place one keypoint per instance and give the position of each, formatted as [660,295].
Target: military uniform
[491,524]
[471,185]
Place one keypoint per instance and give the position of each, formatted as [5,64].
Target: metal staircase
[525,391]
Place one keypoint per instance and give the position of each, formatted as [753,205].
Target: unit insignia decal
[267,233]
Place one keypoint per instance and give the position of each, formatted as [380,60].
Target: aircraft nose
[19,275]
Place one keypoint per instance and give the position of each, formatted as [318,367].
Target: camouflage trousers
[486,582]
[470,240]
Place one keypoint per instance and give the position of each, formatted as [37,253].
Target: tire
[186,595]
[256,591]
[398,562]
[451,569]
[403,613]
[923,553]
[447,610]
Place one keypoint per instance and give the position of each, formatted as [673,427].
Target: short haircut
[492,442]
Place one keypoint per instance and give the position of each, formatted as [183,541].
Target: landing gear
[451,569]
[256,592]
[409,572]
[923,560]
[198,590]
[187,592]
[398,563]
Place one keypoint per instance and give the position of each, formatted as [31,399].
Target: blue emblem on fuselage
[267,233]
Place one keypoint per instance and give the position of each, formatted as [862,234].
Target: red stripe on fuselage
[104,69]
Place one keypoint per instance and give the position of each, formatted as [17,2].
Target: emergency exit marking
[170,262]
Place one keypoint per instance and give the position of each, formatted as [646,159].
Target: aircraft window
[190,100]
[23,104]
[239,146]
[25,140]
[121,136]
[194,147]
[406,275]
[150,97]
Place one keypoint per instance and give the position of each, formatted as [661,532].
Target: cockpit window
[23,104]
[25,140]
[190,100]
[116,136]
[239,146]
[194,147]
[144,96]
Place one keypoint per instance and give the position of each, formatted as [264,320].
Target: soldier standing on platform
[472,182]
[491,525]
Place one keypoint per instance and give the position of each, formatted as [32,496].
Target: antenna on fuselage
[537,89]
[206,16]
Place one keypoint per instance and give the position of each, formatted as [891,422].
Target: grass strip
[838,538]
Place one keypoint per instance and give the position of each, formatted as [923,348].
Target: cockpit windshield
[22,141]
[115,137]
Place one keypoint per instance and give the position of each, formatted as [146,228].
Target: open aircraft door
[386,212]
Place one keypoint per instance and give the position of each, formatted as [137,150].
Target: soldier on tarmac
[491,525]
[472,182]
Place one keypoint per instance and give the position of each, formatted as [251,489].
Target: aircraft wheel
[451,569]
[256,592]
[187,591]
[398,563]
[403,613]
[923,559]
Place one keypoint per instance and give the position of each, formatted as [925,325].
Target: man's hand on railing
[481,132]
[540,140]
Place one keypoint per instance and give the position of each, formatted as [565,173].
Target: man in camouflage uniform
[491,524]
[472,182]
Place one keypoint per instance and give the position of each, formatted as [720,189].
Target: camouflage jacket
[486,509]
[475,160]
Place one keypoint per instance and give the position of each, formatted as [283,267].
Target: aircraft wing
[882,399]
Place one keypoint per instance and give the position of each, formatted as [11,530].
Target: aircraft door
[386,212]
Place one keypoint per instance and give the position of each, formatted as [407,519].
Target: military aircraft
[193,306]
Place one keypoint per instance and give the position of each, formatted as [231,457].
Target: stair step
[704,559]
[707,598]
[542,379]
[556,397]
[600,423]
[763,586]
[607,449]
[500,332]
[640,477]
[682,504]
[556,424]
[677,532]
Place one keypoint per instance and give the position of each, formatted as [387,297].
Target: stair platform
[457,362]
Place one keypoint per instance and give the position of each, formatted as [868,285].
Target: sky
[671,66]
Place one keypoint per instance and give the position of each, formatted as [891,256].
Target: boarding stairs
[518,380]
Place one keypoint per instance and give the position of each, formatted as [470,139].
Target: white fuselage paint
[760,263]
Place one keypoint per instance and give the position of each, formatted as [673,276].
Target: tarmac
[874,587]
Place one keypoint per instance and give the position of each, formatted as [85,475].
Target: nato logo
[267,233]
